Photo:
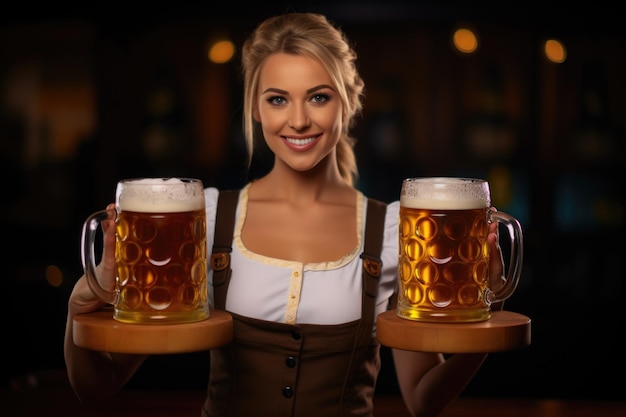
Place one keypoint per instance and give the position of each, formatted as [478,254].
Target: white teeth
[299,142]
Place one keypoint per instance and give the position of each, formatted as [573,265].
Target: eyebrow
[309,91]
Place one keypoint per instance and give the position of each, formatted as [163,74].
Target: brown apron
[276,369]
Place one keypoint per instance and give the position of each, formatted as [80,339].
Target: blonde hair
[311,35]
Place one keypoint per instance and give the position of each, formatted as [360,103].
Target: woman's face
[299,110]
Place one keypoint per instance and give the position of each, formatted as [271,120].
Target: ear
[255,114]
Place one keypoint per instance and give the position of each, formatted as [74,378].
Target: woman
[296,272]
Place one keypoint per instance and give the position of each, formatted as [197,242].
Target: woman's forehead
[288,72]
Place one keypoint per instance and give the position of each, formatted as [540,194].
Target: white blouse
[293,292]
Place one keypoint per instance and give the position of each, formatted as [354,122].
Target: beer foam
[433,204]
[160,195]
[445,193]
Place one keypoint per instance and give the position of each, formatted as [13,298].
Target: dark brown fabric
[295,370]
[255,373]
[222,244]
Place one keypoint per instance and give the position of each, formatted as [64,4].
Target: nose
[298,117]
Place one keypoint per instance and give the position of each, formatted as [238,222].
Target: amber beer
[160,252]
[443,253]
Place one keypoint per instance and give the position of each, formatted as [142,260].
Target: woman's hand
[82,299]
[496,262]
[106,268]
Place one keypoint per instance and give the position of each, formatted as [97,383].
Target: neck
[323,183]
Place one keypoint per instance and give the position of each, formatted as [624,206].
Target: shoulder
[390,231]
[211,195]
[391,218]
[390,224]
[392,209]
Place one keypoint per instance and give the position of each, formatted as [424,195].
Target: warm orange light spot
[54,275]
[221,52]
[465,40]
[555,51]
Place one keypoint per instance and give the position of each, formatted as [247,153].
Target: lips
[300,144]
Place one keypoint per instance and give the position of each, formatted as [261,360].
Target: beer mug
[160,251]
[443,265]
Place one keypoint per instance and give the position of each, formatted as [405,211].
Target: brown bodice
[275,369]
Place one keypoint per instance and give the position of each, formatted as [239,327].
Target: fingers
[106,224]
[108,249]
[496,262]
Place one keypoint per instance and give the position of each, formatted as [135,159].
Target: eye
[320,98]
[276,100]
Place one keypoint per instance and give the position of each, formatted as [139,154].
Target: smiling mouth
[300,142]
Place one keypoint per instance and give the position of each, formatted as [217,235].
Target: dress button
[290,361]
[287,392]
[295,335]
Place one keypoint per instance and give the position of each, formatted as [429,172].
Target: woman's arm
[96,375]
[429,381]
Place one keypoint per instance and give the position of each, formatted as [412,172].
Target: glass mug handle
[88,258]
[514,270]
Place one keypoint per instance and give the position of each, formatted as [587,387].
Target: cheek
[334,121]
[270,120]
[327,116]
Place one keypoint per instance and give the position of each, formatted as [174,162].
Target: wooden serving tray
[504,331]
[100,331]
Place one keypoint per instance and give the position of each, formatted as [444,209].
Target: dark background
[89,95]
